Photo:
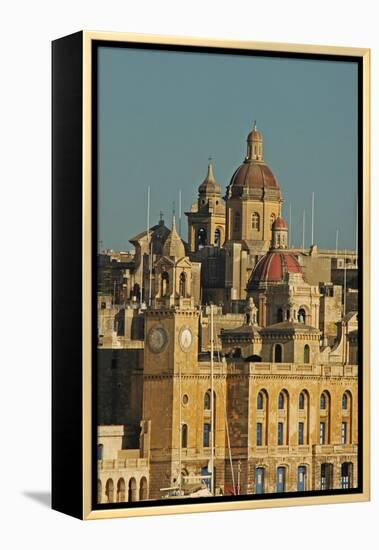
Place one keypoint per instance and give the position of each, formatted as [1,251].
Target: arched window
[184,436]
[281,400]
[277,353]
[109,490]
[301,401]
[345,400]
[201,237]
[143,489]
[301,315]
[165,279]
[306,354]
[323,401]
[279,315]
[132,490]
[217,237]
[272,219]
[99,491]
[121,490]
[182,285]
[260,399]
[255,219]
[326,478]
[346,475]
[207,401]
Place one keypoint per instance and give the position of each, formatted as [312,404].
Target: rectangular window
[259,481]
[301,472]
[280,480]
[301,433]
[344,433]
[280,433]
[206,435]
[322,433]
[259,434]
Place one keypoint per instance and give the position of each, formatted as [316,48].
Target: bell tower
[206,220]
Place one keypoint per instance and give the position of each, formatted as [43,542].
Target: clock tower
[170,361]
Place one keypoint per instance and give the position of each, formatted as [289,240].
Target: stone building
[275,408]
[123,474]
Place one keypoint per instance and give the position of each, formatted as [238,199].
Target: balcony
[123,464]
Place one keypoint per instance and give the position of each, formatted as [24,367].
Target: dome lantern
[279,234]
[254,145]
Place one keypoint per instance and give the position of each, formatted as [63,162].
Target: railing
[303,368]
[122,464]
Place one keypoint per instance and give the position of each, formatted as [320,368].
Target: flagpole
[212,405]
[303,229]
[148,241]
[180,212]
[313,214]
[337,235]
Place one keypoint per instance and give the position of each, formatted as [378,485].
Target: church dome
[173,246]
[273,268]
[254,178]
[280,223]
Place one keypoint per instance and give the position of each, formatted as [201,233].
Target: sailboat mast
[148,297]
[180,428]
[313,219]
[212,405]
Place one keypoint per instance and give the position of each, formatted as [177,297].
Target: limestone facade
[276,407]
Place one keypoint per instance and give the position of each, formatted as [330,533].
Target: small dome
[255,135]
[273,268]
[210,185]
[173,246]
[280,223]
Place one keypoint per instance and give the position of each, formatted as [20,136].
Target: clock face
[185,339]
[157,339]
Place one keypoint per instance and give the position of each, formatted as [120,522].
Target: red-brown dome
[253,176]
[280,223]
[273,268]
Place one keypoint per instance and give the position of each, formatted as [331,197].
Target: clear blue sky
[162,114]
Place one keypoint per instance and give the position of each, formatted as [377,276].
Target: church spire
[173,246]
[210,185]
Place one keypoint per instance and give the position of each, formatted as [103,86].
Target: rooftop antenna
[313,216]
[161,216]
[303,229]
[289,227]
[356,226]
[344,286]
[337,235]
[148,239]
